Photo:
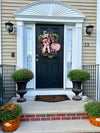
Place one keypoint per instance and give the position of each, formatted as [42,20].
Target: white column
[77,47]
[0,32]
[98,51]
[20,42]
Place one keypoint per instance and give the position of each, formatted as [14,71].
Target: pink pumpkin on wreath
[55,46]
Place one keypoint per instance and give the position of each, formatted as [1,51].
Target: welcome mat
[51,98]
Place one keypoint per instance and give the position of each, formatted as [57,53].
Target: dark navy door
[49,72]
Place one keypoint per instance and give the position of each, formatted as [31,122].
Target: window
[29,48]
[28,52]
[69,50]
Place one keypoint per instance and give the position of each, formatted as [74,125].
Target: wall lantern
[89,29]
[10,27]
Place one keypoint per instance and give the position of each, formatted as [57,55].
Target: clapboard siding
[9,42]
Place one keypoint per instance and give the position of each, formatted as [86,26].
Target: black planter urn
[21,85]
[76,89]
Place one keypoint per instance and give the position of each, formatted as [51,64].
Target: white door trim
[76,54]
[49,10]
[43,12]
[20,44]
[66,28]
[65,47]
[32,26]
[34,32]
[77,47]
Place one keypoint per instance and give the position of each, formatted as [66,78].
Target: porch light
[10,27]
[89,29]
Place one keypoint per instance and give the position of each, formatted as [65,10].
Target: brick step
[50,117]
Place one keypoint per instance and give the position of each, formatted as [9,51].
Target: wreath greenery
[49,44]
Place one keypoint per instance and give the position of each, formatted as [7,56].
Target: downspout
[98,52]
[0,32]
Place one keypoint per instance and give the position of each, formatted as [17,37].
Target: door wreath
[49,44]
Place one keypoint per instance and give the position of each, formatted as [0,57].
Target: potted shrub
[10,114]
[93,110]
[77,76]
[21,77]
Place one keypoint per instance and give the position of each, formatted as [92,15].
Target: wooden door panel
[49,72]
[44,75]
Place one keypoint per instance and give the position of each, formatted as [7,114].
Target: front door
[49,72]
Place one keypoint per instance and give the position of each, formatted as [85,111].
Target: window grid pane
[69,50]
[29,48]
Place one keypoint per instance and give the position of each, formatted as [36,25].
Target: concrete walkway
[59,126]
[56,127]
[38,107]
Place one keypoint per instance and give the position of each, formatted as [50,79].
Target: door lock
[37,60]
[36,55]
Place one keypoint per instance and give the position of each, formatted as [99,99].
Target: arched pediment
[49,8]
